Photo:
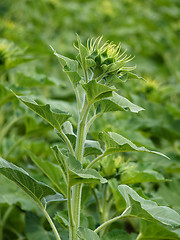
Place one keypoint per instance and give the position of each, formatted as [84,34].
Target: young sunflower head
[108,58]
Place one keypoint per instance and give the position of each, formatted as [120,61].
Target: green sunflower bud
[103,60]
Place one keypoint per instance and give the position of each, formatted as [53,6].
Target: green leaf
[87,234]
[116,234]
[118,198]
[79,175]
[92,148]
[12,194]
[70,68]
[56,119]
[36,190]
[52,171]
[137,173]
[129,76]
[34,229]
[33,80]
[155,231]
[118,103]
[70,64]
[116,143]
[97,91]
[147,209]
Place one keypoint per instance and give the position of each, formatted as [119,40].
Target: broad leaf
[97,91]
[118,103]
[36,190]
[155,231]
[87,234]
[12,194]
[116,143]
[147,209]
[79,175]
[53,172]
[56,119]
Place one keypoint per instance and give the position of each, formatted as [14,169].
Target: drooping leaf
[115,143]
[155,231]
[97,91]
[52,171]
[56,119]
[36,190]
[147,209]
[118,103]
[79,175]
[11,194]
[87,234]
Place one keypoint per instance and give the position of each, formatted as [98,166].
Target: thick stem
[77,189]
[52,225]
[71,220]
[76,206]
[81,133]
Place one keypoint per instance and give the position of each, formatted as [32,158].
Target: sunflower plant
[94,76]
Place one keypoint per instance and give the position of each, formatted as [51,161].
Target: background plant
[103,66]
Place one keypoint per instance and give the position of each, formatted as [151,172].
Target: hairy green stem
[81,133]
[92,120]
[77,189]
[76,205]
[71,220]
[52,225]
[111,221]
